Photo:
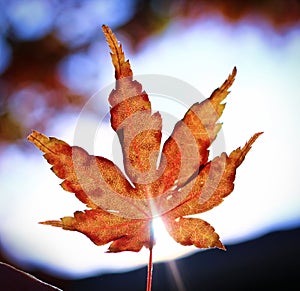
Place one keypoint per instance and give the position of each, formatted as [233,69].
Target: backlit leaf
[185,182]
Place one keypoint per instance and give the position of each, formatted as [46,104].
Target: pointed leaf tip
[122,66]
[234,71]
[246,148]
[56,223]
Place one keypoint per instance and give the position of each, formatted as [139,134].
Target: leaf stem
[150,263]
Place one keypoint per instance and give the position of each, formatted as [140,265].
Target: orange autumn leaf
[121,209]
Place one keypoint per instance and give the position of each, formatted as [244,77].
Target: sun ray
[176,275]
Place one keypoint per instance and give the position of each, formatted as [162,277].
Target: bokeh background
[53,58]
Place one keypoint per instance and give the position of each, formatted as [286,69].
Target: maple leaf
[184,182]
